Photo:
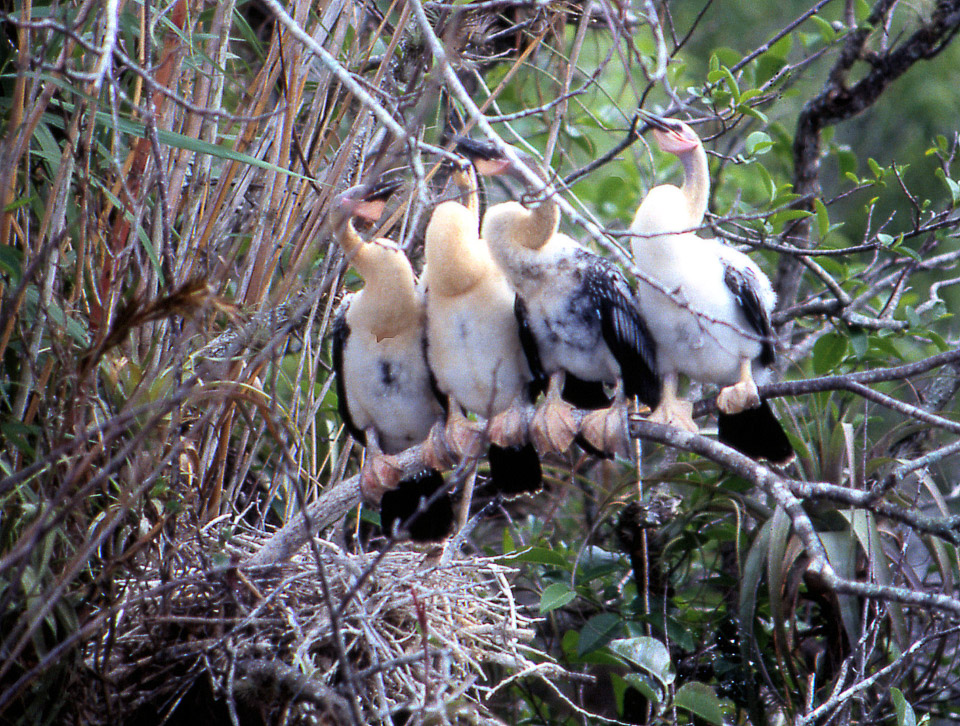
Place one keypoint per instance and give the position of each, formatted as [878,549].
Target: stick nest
[415,630]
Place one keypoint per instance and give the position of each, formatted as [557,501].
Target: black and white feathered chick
[473,343]
[384,390]
[714,325]
[582,318]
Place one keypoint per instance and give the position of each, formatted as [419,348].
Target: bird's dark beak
[382,190]
[484,156]
[367,200]
[654,121]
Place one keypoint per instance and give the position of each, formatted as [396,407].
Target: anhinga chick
[473,345]
[384,392]
[582,317]
[713,323]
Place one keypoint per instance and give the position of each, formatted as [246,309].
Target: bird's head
[488,160]
[366,200]
[485,156]
[673,136]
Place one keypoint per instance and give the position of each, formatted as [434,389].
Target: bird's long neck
[457,259]
[696,183]
[389,302]
[466,181]
[533,228]
[349,240]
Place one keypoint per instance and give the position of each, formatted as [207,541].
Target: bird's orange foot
[553,427]
[508,428]
[606,430]
[738,397]
[437,451]
[676,413]
[464,437]
[381,473]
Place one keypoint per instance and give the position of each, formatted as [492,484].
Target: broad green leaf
[865,527]
[598,631]
[647,653]
[842,554]
[828,351]
[701,700]
[731,84]
[953,186]
[823,218]
[767,180]
[539,556]
[11,262]
[556,596]
[905,714]
[826,29]
[651,689]
[757,143]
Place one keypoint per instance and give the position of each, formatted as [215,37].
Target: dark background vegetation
[167,415]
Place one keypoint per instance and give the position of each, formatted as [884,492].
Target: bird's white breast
[388,387]
[699,328]
[473,346]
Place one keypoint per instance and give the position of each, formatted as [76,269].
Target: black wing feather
[339,334]
[743,284]
[624,329]
[531,351]
[441,397]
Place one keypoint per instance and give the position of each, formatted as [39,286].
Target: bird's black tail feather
[514,469]
[403,506]
[588,395]
[757,433]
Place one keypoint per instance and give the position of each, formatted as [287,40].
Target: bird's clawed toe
[508,428]
[606,430]
[738,397]
[381,473]
[464,437]
[676,413]
[554,427]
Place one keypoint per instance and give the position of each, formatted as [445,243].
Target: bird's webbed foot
[381,472]
[554,424]
[607,430]
[741,395]
[675,412]
[463,436]
[509,428]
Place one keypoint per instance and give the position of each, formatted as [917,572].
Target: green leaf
[700,700]
[953,186]
[905,714]
[826,29]
[823,218]
[767,180]
[648,654]
[539,556]
[11,262]
[758,143]
[556,596]
[828,351]
[650,688]
[597,632]
[731,84]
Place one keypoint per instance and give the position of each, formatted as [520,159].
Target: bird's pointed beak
[484,156]
[654,121]
[367,200]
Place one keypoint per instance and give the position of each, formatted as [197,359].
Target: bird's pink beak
[352,202]
[491,167]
